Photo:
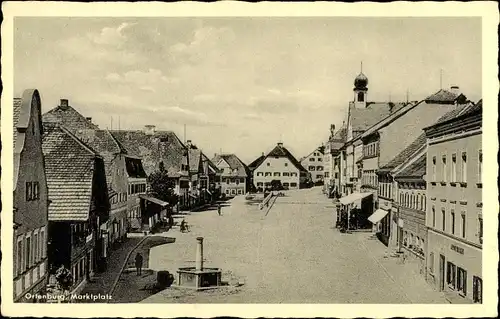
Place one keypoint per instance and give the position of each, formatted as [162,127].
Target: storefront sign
[459,250]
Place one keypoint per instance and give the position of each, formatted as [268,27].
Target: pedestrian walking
[219,210]
[138,263]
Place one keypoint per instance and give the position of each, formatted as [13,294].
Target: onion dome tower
[360,89]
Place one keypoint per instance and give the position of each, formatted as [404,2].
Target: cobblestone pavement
[103,282]
[292,255]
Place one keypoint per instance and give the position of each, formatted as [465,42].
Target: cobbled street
[291,255]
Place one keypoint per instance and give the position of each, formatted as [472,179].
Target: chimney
[89,119]
[280,144]
[188,144]
[64,104]
[332,129]
[149,129]
[263,154]
[455,90]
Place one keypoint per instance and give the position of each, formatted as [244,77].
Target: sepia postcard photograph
[249,159]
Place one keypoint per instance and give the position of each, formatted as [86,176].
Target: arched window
[417,206]
[361,97]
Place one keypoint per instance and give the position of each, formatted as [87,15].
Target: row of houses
[414,170]
[80,189]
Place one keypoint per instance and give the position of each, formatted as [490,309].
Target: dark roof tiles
[162,146]
[416,169]
[281,151]
[234,163]
[445,96]
[17,111]
[69,166]
[68,117]
[194,159]
[420,141]
[364,118]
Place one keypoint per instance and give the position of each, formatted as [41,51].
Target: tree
[162,186]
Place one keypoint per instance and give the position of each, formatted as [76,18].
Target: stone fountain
[199,277]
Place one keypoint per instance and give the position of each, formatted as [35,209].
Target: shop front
[382,219]
[354,210]
[455,267]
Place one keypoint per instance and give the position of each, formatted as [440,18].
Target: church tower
[360,89]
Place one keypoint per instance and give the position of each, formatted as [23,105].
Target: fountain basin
[206,278]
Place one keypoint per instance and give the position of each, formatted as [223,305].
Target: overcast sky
[240,84]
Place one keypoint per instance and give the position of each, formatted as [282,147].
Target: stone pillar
[199,253]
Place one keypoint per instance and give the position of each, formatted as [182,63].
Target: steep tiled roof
[234,163]
[24,110]
[102,142]
[445,96]
[478,107]
[17,112]
[280,151]
[162,146]
[208,163]
[364,118]
[416,169]
[419,142]
[69,117]
[340,135]
[256,162]
[194,159]
[457,111]
[69,166]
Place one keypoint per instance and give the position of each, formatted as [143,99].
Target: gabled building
[454,208]
[154,147]
[30,199]
[212,173]
[387,138]
[234,174]
[203,176]
[79,204]
[115,158]
[251,168]
[331,161]
[279,164]
[411,203]
[361,115]
[313,162]
[388,192]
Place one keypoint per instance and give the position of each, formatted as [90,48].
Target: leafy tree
[162,186]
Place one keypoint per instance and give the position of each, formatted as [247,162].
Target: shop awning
[351,198]
[377,216]
[153,200]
